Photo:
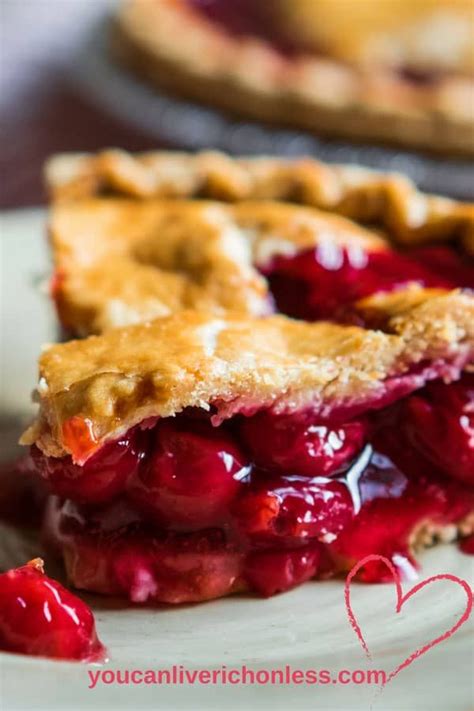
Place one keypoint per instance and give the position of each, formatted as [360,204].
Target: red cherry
[39,616]
[192,473]
[400,502]
[298,445]
[101,478]
[271,572]
[439,422]
[294,507]
[321,283]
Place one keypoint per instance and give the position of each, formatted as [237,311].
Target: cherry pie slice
[221,447]
[119,261]
[397,71]
[199,455]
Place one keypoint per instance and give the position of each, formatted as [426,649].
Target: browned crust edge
[390,201]
[320,95]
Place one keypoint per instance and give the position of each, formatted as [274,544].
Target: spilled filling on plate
[38,616]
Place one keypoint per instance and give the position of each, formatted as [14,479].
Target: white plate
[306,628]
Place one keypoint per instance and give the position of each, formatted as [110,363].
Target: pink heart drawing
[401,600]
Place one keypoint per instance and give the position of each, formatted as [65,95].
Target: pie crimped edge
[388,200]
[321,94]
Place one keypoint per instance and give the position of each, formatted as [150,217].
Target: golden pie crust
[325,94]
[119,261]
[236,363]
[389,201]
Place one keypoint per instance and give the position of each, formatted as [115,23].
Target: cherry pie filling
[39,616]
[325,282]
[179,510]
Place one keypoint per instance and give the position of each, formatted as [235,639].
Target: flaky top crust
[235,363]
[121,261]
[390,201]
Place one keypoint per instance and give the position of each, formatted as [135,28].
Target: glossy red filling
[262,502]
[39,616]
[191,475]
[439,423]
[287,443]
[467,545]
[103,476]
[323,283]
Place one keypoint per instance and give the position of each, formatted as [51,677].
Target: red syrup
[286,443]
[396,505]
[323,284]
[192,472]
[103,476]
[39,616]
[292,525]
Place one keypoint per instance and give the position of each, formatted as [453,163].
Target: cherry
[291,444]
[439,423]
[192,473]
[395,505]
[323,282]
[376,508]
[200,566]
[293,507]
[102,477]
[39,616]
[271,572]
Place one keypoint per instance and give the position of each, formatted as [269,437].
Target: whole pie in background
[393,71]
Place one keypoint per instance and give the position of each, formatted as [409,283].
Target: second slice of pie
[125,251]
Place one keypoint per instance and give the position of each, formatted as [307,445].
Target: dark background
[42,111]
[60,91]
